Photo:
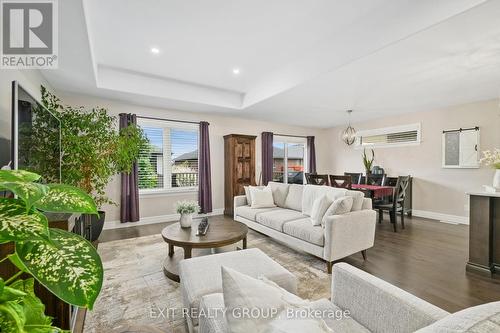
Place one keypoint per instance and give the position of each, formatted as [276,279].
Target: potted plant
[93,150]
[63,262]
[368,162]
[187,209]
[492,158]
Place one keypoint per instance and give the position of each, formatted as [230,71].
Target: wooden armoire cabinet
[239,167]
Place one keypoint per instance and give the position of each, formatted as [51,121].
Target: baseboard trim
[445,218]
[155,219]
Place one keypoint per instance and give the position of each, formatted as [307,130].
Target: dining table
[374,191]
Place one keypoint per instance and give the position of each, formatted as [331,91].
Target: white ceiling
[301,62]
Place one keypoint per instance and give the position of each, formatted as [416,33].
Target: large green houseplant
[93,149]
[63,262]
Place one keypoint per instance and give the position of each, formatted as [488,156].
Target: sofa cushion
[294,197]
[251,213]
[313,192]
[304,230]
[280,192]
[342,205]
[201,276]
[483,318]
[276,218]
[358,198]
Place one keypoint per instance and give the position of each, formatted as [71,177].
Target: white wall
[30,80]
[435,189]
[159,205]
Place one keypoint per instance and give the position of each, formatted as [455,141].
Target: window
[170,160]
[398,136]
[461,148]
[289,156]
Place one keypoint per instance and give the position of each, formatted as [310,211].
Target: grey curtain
[311,154]
[129,202]
[267,157]
[204,171]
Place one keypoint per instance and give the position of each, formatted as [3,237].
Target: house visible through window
[170,160]
[289,156]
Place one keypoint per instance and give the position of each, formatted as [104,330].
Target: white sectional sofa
[289,222]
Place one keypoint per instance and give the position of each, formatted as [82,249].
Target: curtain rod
[291,136]
[463,129]
[174,120]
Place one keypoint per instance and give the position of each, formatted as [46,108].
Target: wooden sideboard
[484,233]
[239,167]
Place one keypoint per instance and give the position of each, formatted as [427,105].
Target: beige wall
[157,205]
[30,80]
[435,189]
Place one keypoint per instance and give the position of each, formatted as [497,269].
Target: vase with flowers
[187,209]
[492,158]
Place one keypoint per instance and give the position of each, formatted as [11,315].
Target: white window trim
[167,124]
[166,191]
[292,139]
[388,130]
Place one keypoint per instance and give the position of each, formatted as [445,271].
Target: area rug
[136,293]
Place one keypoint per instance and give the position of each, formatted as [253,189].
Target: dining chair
[355,177]
[376,179]
[316,179]
[397,205]
[341,181]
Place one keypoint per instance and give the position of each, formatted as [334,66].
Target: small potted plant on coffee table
[187,209]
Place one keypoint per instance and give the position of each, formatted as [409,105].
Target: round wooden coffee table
[221,232]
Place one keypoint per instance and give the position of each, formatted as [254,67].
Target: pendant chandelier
[349,134]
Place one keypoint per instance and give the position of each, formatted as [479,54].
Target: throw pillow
[263,299]
[262,198]
[340,206]
[248,194]
[319,209]
[481,318]
[283,324]
[358,197]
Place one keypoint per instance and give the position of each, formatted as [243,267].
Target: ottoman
[201,276]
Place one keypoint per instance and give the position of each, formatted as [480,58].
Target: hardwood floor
[426,259]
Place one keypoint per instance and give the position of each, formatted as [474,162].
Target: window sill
[165,192]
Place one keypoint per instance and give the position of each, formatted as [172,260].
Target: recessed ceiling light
[236,71]
[155,50]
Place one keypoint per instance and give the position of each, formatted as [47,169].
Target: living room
[288,156]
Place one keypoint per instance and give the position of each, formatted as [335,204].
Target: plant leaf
[66,199]
[28,192]
[14,259]
[67,264]
[34,309]
[18,225]
[11,294]
[18,176]
[11,317]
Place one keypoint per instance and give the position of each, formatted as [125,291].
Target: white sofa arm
[349,233]
[378,305]
[240,200]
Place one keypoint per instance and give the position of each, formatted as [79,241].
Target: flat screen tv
[36,136]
